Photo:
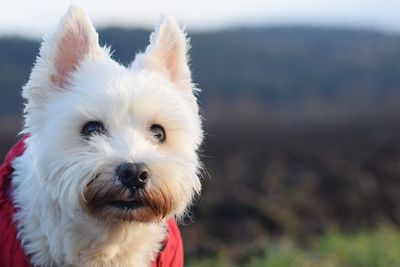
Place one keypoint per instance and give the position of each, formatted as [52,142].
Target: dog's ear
[74,39]
[61,53]
[168,53]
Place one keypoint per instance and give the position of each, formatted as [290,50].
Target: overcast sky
[35,17]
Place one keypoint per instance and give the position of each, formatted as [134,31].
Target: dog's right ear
[61,53]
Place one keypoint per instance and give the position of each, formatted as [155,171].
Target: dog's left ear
[168,53]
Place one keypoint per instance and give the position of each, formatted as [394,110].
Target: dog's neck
[50,237]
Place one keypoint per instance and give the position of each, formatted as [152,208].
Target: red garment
[11,252]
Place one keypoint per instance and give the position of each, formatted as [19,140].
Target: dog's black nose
[133,175]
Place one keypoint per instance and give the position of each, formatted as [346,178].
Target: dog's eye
[158,133]
[92,128]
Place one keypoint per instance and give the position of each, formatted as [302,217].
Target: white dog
[110,152]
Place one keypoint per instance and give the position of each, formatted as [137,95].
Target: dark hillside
[287,68]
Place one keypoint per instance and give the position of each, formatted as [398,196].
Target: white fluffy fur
[50,177]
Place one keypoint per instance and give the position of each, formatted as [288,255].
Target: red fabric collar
[11,252]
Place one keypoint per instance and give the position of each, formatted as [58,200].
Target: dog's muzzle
[128,195]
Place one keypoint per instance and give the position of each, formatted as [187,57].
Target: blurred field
[378,248]
[295,183]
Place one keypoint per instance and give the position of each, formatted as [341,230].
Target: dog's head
[116,142]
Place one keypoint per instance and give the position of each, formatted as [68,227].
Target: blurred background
[301,100]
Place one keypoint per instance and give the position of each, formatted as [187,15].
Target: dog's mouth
[126,204]
[109,202]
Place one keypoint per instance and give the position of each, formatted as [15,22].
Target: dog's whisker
[92,180]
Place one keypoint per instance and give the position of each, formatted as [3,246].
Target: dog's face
[118,143]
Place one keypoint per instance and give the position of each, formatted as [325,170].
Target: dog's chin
[121,211]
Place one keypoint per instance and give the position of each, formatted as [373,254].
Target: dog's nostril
[133,175]
[144,176]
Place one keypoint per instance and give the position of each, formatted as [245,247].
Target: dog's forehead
[110,79]
[105,87]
